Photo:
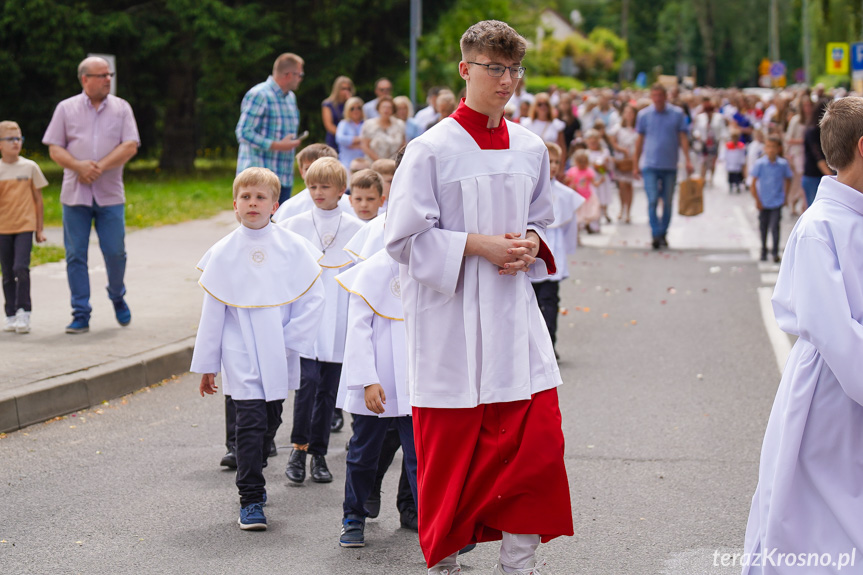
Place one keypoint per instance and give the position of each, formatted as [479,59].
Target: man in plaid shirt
[269,121]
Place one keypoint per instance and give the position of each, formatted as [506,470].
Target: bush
[537,84]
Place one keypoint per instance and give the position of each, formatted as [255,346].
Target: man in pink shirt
[92,135]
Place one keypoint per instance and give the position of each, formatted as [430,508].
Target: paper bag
[691,200]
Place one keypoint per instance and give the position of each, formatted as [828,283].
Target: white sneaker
[23,325]
[530,570]
[11,323]
[445,570]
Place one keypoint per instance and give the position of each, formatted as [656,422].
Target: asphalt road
[669,377]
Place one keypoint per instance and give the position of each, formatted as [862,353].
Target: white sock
[450,562]
[517,551]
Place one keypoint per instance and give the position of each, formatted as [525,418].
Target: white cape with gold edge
[262,306]
[376,347]
[330,343]
[368,240]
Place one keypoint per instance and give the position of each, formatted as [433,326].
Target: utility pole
[774,30]
[416,30]
[806,69]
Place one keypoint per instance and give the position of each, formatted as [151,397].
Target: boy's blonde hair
[368,179]
[384,166]
[7,126]
[258,177]
[327,171]
[591,133]
[581,156]
[492,38]
[554,149]
[841,129]
[358,164]
[314,151]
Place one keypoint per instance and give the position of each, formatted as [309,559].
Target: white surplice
[562,234]
[375,350]
[302,202]
[809,497]
[263,303]
[473,336]
[329,231]
[368,240]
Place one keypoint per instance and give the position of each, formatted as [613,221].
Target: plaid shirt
[267,115]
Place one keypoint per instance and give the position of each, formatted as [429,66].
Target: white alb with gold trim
[376,346]
[261,309]
[329,231]
[368,240]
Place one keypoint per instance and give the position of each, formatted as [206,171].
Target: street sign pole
[416,26]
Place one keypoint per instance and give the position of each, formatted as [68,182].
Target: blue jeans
[364,453]
[110,223]
[285,194]
[314,403]
[655,190]
[810,187]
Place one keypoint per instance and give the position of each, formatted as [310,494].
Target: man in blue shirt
[269,121]
[771,178]
[661,130]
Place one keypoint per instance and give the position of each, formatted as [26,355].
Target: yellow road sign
[837,58]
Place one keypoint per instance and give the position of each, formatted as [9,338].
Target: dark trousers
[768,219]
[365,453]
[230,424]
[314,403]
[257,424]
[548,298]
[15,264]
[405,497]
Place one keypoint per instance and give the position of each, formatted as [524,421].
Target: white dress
[562,234]
[329,231]
[474,336]
[261,310]
[376,350]
[810,477]
[546,130]
[600,161]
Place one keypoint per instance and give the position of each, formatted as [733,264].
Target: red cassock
[496,467]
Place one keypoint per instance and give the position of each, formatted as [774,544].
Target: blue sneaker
[252,518]
[78,326]
[353,532]
[122,312]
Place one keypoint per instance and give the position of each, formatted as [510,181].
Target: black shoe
[373,506]
[409,519]
[338,421]
[655,243]
[764,256]
[320,473]
[229,460]
[663,242]
[296,469]
[776,259]
[273,451]
[467,548]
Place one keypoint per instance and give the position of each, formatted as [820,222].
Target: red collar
[476,125]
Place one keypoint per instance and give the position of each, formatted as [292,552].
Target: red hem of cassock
[492,468]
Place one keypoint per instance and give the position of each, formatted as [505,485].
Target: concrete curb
[78,390]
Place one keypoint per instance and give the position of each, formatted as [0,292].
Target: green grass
[156,199]
[46,254]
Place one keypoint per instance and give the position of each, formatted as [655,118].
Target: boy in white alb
[807,503]
[467,216]
[562,237]
[328,228]
[302,202]
[374,384]
[261,309]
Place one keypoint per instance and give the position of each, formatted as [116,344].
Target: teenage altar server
[374,384]
[562,236]
[262,305]
[807,503]
[329,229]
[467,216]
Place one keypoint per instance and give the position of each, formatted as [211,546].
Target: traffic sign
[837,58]
[857,59]
[777,69]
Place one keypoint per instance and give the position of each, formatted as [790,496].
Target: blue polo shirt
[661,140]
[771,178]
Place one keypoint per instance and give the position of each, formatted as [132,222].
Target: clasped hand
[510,253]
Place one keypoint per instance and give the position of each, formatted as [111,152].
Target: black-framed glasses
[497,70]
[13,139]
[104,76]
